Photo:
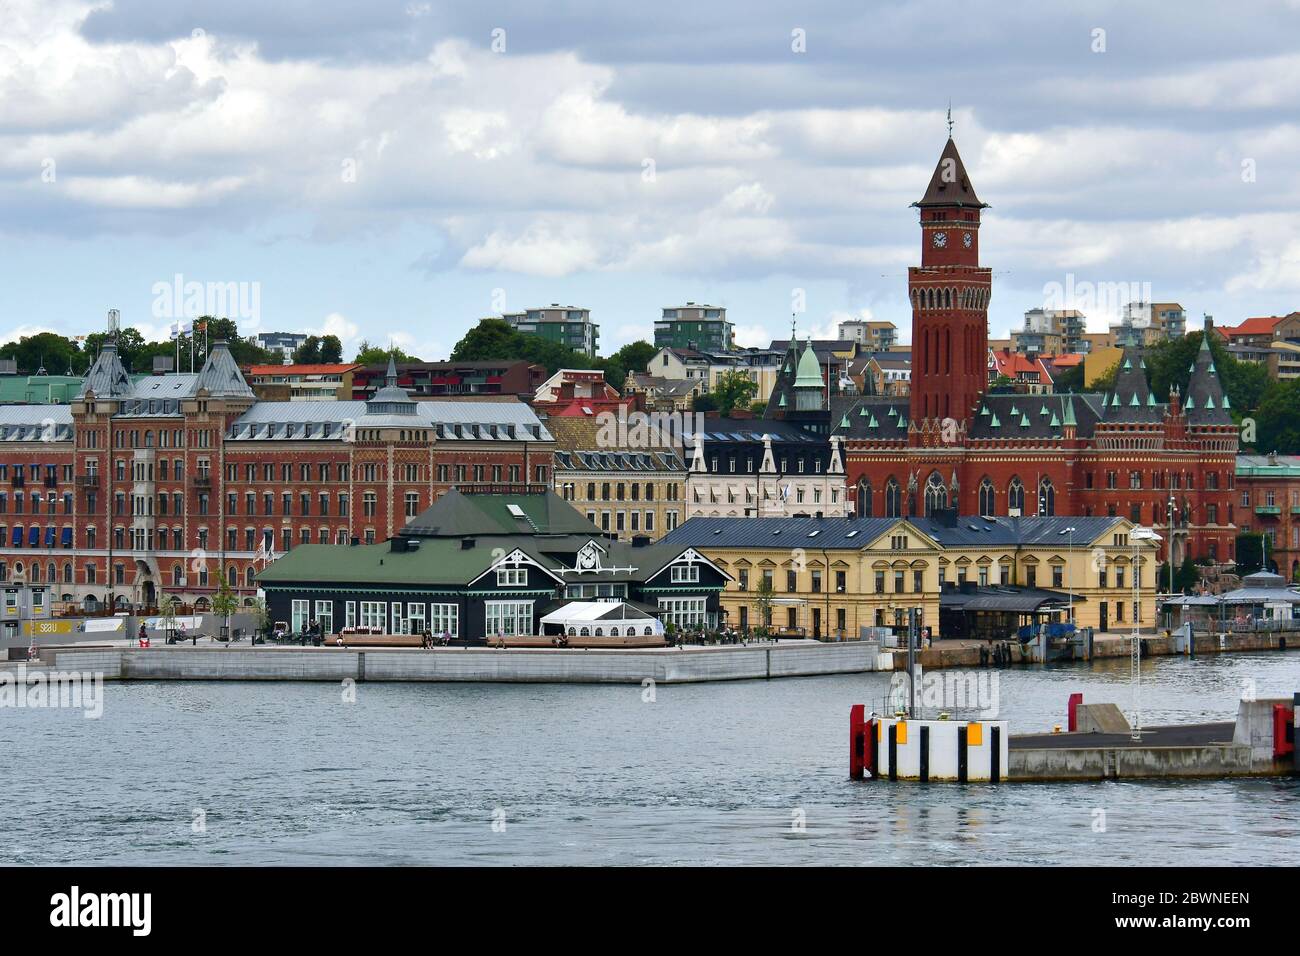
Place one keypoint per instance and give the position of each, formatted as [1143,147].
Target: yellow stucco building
[969,576]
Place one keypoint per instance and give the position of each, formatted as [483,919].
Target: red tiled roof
[1260,325]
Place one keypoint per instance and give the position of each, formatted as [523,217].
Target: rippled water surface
[538,774]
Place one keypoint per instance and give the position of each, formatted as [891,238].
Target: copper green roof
[809,374]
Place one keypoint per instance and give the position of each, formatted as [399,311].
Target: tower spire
[950,117]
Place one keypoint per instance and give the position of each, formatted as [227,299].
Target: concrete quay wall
[475,664]
[1100,763]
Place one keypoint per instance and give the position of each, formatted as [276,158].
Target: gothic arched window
[1046,497]
[987,497]
[864,498]
[893,499]
[1015,497]
[936,495]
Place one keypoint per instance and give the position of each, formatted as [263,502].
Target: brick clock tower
[950,298]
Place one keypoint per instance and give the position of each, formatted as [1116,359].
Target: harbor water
[747,772]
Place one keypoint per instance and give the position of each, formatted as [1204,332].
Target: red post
[1075,701]
[857,742]
[1283,721]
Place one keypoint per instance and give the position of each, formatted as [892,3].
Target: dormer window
[512,577]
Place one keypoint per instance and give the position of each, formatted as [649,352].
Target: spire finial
[950,119]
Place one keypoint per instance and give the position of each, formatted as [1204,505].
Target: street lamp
[1069,578]
[1137,537]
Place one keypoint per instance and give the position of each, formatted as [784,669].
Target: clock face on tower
[967,239]
[940,239]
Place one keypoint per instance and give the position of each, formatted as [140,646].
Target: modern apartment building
[566,324]
[873,336]
[701,327]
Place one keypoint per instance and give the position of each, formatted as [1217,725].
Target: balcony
[203,482]
[88,481]
[1267,510]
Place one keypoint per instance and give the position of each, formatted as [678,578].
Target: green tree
[763,597]
[368,354]
[704,402]
[497,339]
[1277,420]
[49,350]
[309,352]
[331,350]
[225,603]
[1250,552]
[1186,577]
[734,390]
[635,356]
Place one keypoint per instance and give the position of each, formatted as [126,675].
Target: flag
[261,551]
[181,327]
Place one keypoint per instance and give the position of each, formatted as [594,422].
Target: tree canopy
[319,350]
[368,354]
[497,339]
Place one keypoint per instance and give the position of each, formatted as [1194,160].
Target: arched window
[1046,497]
[1015,497]
[176,575]
[936,495]
[613,632]
[987,497]
[893,499]
[36,571]
[250,576]
[864,498]
[67,574]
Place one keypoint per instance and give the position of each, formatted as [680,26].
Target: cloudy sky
[399,168]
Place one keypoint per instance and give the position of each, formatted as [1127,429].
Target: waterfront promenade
[122,660]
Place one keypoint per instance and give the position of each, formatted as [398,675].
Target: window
[412,504]
[683,612]
[1016,497]
[684,573]
[374,614]
[298,615]
[987,496]
[893,499]
[742,579]
[880,582]
[325,616]
[936,495]
[509,618]
[512,577]
[1058,576]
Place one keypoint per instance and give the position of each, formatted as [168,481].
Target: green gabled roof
[1069,411]
[781,404]
[1209,401]
[1044,411]
[1127,364]
[873,423]
[1056,422]
[1134,400]
[1190,403]
[984,411]
[893,411]
[457,515]
[1225,400]
[995,423]
[844,421]
[862,412]
[1024,421]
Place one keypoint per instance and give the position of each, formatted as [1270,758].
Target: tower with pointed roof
[949,292]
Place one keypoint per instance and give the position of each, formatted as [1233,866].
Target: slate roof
[1205,402]
[836,533]
[1003,531]
[41,423]
[952,189]
[1132,401]
[452,421]
[107,377]
[748,429]
[869,417]
[1035,416]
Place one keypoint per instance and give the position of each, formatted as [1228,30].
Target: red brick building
[951,443]
[164,484]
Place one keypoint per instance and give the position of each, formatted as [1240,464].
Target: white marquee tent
[603,619]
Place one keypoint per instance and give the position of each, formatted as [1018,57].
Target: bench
[374,640]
